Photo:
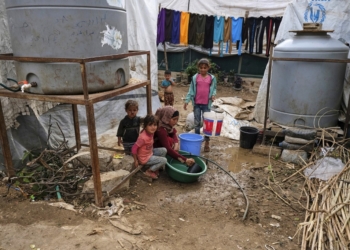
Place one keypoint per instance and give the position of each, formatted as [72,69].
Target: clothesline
[186,28]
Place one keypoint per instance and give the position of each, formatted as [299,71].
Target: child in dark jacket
[129,126]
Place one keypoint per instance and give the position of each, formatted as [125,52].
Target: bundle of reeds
[327,217]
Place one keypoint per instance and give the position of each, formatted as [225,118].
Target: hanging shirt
[184,21]
[209,32]
[175,32]
[219,22]
[161,27]
[192,28]
[200,29]
[236,32]
[227,34]
[168,24]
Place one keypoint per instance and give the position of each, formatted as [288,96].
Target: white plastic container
[212,123]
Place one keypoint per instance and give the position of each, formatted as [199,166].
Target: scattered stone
[104,157]
[276,217]
[294,156]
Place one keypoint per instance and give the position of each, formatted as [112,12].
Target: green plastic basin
[178,171]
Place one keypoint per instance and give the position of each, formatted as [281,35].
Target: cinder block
[108,181]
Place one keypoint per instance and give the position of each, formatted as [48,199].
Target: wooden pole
[165,57]
[4,142]
[347,119]
[149,85]
[90,116]
[267,93]
[76,126]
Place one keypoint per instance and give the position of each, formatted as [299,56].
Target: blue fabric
[236,32]
[219,23]
[165,83]
[175,34]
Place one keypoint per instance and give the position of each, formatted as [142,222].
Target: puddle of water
[240,158]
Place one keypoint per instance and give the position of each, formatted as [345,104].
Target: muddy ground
[207,214]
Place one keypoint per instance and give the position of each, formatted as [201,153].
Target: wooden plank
[105,148]
[95,164]
[72,99]
[5,145]
[148,88]
[76,126]
[97,97]
[112,191]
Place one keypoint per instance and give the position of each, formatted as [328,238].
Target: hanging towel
[228,34]
[219,22]
[175,33]
[184,21]
[168,24]
[161,27]
[192,28]
[209,32]
[236,31]
[200,29]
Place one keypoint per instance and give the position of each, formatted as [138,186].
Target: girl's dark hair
[131,103]
[149,120]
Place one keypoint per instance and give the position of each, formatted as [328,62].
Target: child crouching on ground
[143,151]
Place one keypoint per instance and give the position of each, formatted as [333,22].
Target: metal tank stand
[85,99]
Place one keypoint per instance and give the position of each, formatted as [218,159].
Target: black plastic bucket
[248,137]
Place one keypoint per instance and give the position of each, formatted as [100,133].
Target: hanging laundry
[227,34]
[259,35]
[209,32]
[161,27]
[200,30]
[192,28]
[277,21]
[168,24]
[268,24]
[184,21]
[175,33]
[236,31]
[219,22]
[251,33]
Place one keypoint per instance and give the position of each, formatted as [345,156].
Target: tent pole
[267,93]
[165,57]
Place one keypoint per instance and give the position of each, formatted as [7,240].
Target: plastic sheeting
[31,132]
[334,15]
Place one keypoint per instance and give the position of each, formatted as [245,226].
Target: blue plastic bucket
[191,143]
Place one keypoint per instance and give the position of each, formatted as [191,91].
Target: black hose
[13,90]
[246,198]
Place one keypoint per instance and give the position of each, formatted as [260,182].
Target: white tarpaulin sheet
[333,14]
[31,131]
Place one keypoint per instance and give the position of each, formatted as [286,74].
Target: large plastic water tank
[307,93]
[69,29]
